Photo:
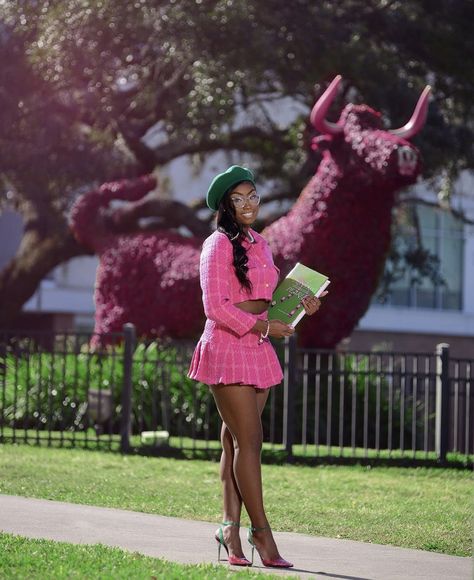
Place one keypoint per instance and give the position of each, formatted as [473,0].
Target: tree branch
[165,213]
[238,140]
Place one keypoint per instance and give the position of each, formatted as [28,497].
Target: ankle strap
[254,529]
[237,524]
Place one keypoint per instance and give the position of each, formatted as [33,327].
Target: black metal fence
[381,404]
[57,389]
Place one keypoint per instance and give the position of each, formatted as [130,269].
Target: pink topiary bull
[150,279]
[339,225]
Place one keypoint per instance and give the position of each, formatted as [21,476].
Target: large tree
[83,82]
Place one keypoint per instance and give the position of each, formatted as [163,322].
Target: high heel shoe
[270,563]
[233,560]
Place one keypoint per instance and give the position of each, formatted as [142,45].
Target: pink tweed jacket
[221,288]
[229,351]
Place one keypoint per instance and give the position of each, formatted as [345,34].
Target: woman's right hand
[279,329]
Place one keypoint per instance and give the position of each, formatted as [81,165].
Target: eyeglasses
[240,202]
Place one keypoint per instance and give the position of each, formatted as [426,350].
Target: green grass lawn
[38,559]
[186,447]
[423,508]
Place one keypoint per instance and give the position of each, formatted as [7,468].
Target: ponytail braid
[227,224]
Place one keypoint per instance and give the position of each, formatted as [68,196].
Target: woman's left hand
[312,304]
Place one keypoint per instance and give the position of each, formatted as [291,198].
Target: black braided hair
[228,225]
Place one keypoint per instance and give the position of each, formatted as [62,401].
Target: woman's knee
[227,439]
[248,442]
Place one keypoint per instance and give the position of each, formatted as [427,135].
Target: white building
[413,318]
[417,318]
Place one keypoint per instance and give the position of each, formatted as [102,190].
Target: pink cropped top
[221,289]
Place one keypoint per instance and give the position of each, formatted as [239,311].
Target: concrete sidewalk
[190,541]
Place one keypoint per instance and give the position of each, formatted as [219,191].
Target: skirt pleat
[221,357]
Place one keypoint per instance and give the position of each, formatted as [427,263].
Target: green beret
[224,181]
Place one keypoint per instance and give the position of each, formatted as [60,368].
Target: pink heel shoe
[233,560]
[270,563]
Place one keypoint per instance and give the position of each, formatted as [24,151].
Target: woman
[235,357]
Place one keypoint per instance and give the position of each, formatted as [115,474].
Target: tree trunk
[37,255]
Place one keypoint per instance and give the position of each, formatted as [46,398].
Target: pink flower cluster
[151,280]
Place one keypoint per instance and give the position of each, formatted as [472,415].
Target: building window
[438,285]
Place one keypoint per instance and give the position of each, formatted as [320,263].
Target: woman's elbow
[213,312]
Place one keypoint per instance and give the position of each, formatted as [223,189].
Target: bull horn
[417,119]
[318,114]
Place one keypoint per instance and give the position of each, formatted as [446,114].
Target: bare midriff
[254,306]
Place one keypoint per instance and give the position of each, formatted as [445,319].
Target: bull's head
[386,152]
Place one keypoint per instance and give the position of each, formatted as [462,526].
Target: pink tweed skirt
[222,357]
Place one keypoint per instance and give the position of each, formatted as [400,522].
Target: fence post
[289,386]
[126,419]
[442,401]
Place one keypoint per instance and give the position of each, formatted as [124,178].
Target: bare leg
[231,494]
[240,408]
